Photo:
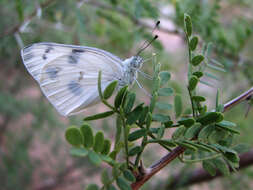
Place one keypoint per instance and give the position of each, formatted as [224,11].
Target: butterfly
[68,74]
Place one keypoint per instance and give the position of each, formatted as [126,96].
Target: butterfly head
[136,62]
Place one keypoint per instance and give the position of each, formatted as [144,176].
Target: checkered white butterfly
[68,74]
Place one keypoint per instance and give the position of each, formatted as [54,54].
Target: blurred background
[33,151]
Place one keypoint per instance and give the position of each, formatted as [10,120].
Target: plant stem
[158,165]
[125,136]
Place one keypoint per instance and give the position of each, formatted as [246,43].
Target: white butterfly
[68,74]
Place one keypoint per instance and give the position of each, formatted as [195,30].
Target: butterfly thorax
[130,70]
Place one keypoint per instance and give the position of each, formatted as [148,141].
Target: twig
[157,166]
[17,27]
[125,13]
[200,175]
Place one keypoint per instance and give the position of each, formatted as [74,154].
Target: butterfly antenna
[143,48]
[144,44]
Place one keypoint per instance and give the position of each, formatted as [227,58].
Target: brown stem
[157,166]
[200,175]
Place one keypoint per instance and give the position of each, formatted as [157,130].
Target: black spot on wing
[44,57]
[75,88]
[77,51]
[73,59]
[49,48]
[53,72]
[75,55]
[28,56]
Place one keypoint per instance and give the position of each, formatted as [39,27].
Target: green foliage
[107,26]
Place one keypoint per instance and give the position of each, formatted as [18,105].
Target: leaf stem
[125,135]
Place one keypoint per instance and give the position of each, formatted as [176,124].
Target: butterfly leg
[145,75]
[142,88]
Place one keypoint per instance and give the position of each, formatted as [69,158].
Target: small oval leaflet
[197,60]
[193,43]
[193,83]
[88,135]
[99,142]
[110,89]
[74,136]
[165,92]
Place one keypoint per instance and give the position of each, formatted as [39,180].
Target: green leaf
[123,184]
[217,135]
[210,117]
[199,98]
[105,178]
[129,175]
[113,154]
[209,167]
[163,105]
[99,85]
[88,135]
[225,123]
[99,116]
[165,92]
[165,77]
[193,83]
[179,132]
[135,150]
[92,187]
[216,68]
[153,102]
[186,145]
[205,132]
[196,60]
[187,122]
[193,43]
[129,102]
[148,120]
[79,152]
[110,89]
[165,142]
[242,148]
[116,171]
[193,131]
[222,166]
[199,146]
[120,96]
[188,25]
[118,130]
[111,187]
[106,147]
[94,158]
[99,142]
[178,105]
[160,132]
[160,118]
[133,116]
[143,115]
[136,134]
[198,74]
[74,136]
[212,76]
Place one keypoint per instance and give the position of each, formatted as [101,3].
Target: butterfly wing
[68,74]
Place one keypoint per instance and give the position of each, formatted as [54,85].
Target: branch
[17,27]
[200,175]
[157,166]
[125,13]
